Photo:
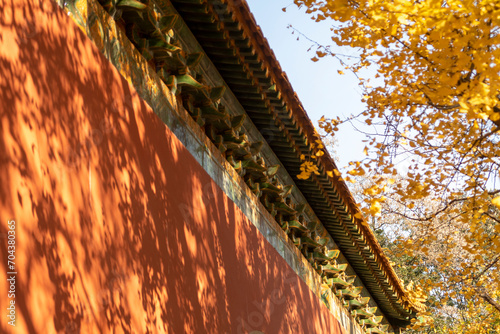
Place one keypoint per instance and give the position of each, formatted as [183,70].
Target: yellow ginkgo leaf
[496,201]
[375,208]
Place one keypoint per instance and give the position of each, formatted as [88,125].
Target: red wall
[118,228]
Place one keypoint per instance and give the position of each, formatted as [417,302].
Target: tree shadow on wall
[121,229]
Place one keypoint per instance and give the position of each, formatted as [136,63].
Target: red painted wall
[118,228]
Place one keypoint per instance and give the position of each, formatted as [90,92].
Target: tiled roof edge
[242,14]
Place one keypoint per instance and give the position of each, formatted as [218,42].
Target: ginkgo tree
[435,105]
[435,254]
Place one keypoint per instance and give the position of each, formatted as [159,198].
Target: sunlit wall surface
[117,227]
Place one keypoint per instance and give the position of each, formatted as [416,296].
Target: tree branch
[433,215]
[487,268]
[491,217]
[490,300]
[491,193]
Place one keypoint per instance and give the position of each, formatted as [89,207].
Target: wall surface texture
[117,226]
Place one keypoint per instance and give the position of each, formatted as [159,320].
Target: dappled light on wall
[119,229]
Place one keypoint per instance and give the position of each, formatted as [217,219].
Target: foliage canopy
[436,111]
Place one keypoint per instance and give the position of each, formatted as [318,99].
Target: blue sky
[321,89]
